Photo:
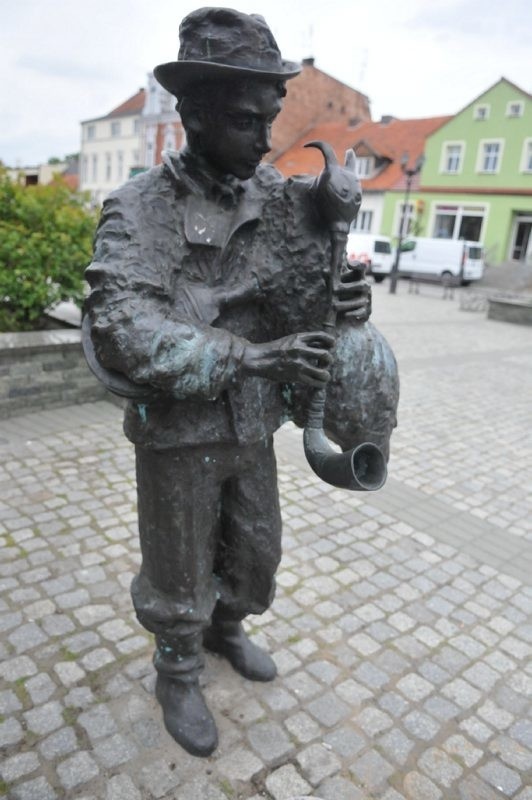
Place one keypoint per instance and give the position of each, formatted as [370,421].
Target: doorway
[522,242]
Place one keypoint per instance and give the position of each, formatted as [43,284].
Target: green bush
[45,244]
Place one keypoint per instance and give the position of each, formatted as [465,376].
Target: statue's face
[235,136]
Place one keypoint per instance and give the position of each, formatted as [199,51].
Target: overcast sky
[62,62]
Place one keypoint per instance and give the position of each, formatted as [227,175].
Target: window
[452,157]
[108,166]
[526,161]
[91,132]
[490,154]
[136,126]
[363,221]
[481,112]
[120,165]
[115,129]
[94,167]
[136,158]
[84,168]
[405,222]
[364,166]
[458,222]
[515,108]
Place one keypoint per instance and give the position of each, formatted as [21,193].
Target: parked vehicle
[445,260]
[374,251]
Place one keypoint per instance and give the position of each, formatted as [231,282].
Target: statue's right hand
[298,358]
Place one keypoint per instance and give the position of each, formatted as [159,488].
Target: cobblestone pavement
[402,627]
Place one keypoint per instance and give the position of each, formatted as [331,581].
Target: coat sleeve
[136,328]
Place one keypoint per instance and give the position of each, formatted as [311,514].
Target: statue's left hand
[352,294]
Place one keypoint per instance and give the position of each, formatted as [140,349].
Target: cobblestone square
[402,626]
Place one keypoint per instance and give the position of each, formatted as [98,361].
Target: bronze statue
[208,292]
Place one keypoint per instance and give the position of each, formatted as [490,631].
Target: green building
[476,182]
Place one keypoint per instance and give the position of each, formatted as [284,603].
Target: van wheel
[447,278]
[379,278]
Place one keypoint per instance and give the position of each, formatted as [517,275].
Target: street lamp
[409,174]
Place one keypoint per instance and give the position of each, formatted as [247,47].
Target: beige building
[110,148]
[127,140]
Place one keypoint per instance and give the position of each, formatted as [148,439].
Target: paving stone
[240,765]
[270,742]
[495,716]
[286,782]
[459,747]
[345,742]
[421,725]
[41,687]
[440,767]
[57,625]
[16,668]
[396,745]
[522,732]
[159,778]
[477,729]
[340,789]
[512,753]
[318,763]
[27,637]
[373,721]
[502,778]
[324,671]
[97,722]
[68,672]
[198,787]
[462,693]
[37,789]
[96,659]
[328,709]
[371,770]
[114,751]
[79,768]
[302,685]
[93,614]
[60,743]
[278,699]
[414,687]
[302,727]
[121,787]
[11,769]
[9,702]
[418,787]
[46,718]
[472,788]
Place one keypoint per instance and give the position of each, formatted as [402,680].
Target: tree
[45,244]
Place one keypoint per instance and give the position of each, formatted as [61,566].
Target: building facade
[128,140]
[476,182]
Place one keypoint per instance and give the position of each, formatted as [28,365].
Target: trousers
[210,537]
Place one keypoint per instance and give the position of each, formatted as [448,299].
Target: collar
[201,178]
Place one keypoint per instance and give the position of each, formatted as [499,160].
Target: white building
[127,140]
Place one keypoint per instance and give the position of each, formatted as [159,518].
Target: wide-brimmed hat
[224,43]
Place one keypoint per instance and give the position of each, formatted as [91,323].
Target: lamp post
[409,173]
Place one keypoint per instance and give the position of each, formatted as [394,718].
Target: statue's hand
[299,358]
[352,293]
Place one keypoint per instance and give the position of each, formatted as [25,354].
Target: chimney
[308,62]
[386,119]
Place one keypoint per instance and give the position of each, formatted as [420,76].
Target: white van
[374,251]
[445,260]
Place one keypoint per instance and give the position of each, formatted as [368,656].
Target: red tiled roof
[130,106]
[384,140]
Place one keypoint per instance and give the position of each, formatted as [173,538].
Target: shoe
[228,639]
[186,716]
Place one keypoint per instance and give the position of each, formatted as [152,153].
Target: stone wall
[44,369]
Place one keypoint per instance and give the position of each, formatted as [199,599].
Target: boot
[229,640]
[178,661]
[186,716]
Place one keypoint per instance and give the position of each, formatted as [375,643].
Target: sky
[62,62]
